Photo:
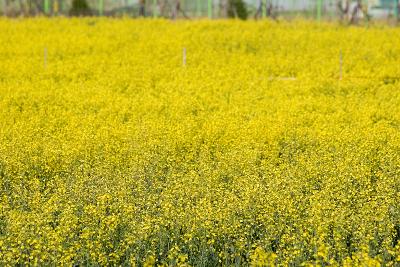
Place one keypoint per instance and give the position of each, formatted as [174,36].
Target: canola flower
[253,153]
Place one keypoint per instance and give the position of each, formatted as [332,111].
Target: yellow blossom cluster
[198,143]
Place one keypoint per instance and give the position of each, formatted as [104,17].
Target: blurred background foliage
[349,10]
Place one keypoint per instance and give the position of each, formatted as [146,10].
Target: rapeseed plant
[257,152]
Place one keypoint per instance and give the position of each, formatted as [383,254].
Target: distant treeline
[351,11]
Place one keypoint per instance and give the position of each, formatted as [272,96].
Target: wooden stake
[340,65]
[45,57]
[184,57]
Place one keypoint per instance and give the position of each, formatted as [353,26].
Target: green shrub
[237,8]
[80,8]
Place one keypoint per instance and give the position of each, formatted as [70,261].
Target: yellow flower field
[275,143]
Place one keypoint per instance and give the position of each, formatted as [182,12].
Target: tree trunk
[343,10]
[355,12]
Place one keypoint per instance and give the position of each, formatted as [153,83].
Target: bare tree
[343,9]
[35,7]
[178,9]
[142,8]
[269,10]
[175,10]
[398,10]
[355,13]
[224,6]
[351,11]
[163,7]
[22,8]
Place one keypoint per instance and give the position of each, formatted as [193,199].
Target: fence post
[184,57]
[340,65]
[47,7]
[45,58]
[101,7]
[210,11]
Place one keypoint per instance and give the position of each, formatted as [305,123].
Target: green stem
[155,13]
[319,9]
[101,7]
[264,8]
[47,7]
